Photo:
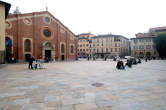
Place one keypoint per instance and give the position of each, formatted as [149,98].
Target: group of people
[129,63]
[33,63]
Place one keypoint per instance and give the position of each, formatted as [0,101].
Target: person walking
[31,59]
[30,63]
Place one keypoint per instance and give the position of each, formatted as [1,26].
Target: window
[115,49]
[71,49]
[27,45]
[83,45]
[47,19]
[86,49]
[141,47]
[93,50]
[62,48]
[106,50]
[83,49]
[80,49]
[148,46]
[115,44]
[47,32]
[87,45]
[80,45]
[111,49]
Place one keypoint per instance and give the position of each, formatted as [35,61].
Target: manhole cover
[162,80]
[97,84]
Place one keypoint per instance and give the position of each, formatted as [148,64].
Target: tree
[160,42]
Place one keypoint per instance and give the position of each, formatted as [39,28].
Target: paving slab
[84,85]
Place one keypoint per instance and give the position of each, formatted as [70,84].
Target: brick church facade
[41,35]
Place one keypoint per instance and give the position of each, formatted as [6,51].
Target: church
[41,35]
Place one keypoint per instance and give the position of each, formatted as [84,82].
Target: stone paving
[84,85]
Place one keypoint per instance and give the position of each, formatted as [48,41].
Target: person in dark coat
[120,65]
[31,59]
[129,63]
[139,60]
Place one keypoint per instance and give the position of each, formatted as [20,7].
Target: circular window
[27,21]
[47,32]
[47,19]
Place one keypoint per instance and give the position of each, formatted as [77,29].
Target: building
[110,45]
[84,44]
[41,35]
[4,10]
[143,45]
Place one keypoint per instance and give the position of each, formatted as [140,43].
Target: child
[36,64]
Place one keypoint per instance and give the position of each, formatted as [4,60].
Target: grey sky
[124,17]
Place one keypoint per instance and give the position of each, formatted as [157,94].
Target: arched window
[71,49]
[27,45]
[62,48]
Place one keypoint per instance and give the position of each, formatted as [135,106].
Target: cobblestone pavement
[84,85]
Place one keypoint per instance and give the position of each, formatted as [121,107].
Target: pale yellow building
[84,44]
[4,9]
[110,46]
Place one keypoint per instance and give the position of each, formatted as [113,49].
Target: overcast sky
[122,17]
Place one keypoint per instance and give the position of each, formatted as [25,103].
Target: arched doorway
[48,51]
[8,44]
[27,49]
[62,52]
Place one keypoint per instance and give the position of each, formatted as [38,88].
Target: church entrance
[48,51]
[48,54]
[27,56]
[62,57]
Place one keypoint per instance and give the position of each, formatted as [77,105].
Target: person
[94,58]
[88,58]
[114,59]
[120,65]
[139,60]
[31,59]
[129,63]
[105,58]
[36,63]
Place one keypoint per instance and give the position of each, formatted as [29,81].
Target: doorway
[27,57]
[48,54]
[62,57]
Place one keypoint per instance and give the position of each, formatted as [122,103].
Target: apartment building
[143,45]
[109,45]
[84,44]
[4,9]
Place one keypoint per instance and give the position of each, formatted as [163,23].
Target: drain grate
[97,84]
